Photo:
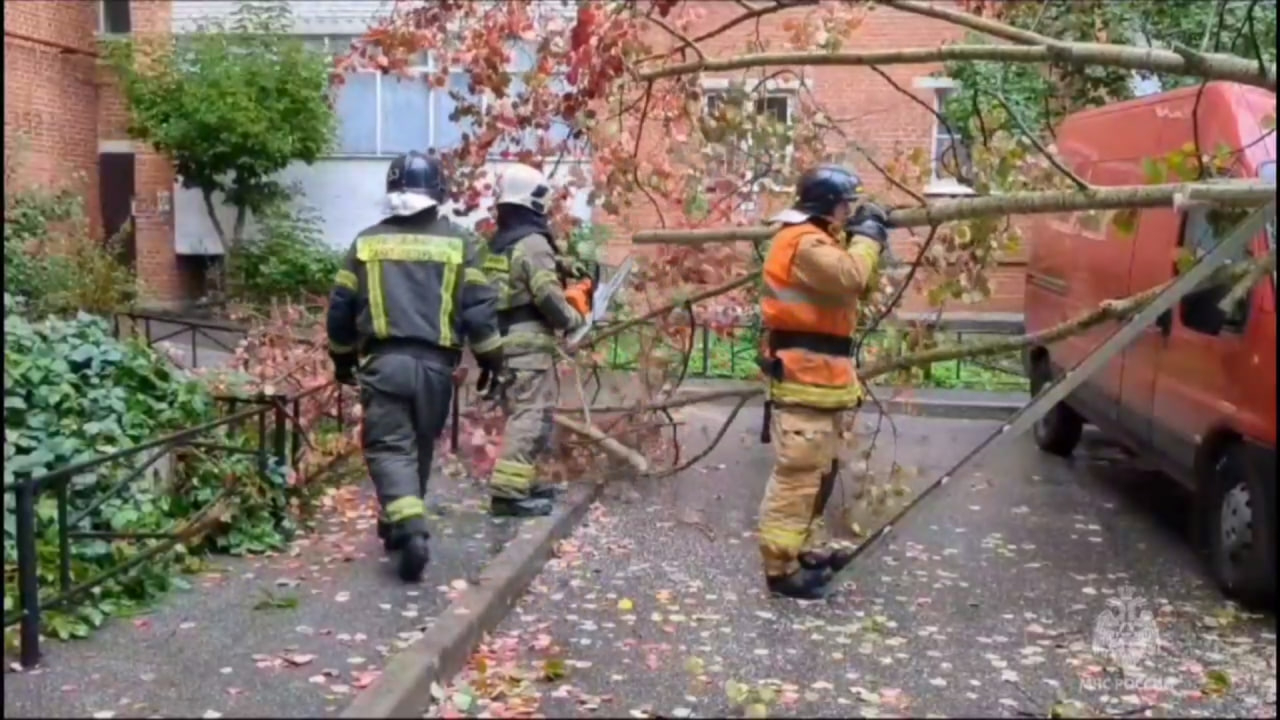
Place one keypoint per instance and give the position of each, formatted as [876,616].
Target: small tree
[232,105]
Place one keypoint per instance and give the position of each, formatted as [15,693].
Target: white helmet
[524,186]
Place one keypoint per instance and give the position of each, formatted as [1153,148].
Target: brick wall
[60,101]
[50,96]
[873,113]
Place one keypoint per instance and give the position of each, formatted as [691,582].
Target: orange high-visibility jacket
[809,308]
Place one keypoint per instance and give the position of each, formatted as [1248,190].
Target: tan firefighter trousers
[529,402]
[805,440]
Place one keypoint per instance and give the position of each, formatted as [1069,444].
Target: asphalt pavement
[291,635]
[1010,592]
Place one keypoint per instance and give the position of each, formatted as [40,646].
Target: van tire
[1059,431]
[1241,529]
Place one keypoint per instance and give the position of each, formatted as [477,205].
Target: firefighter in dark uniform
[410,292]
[526,268]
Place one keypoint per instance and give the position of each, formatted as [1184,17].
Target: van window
[1201,231]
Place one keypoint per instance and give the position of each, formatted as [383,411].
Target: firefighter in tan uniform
[819,264]
[533,304]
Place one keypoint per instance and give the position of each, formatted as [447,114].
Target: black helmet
[417,173]
[820,189]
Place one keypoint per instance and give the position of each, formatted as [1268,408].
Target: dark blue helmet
[822,188]
[418,174]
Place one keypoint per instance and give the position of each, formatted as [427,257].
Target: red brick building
[65,119]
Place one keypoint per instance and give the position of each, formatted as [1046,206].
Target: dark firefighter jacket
[522,267]
[415,279]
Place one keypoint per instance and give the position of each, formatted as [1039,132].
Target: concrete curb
[404,689]
[953,409]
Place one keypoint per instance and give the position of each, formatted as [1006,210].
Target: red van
[1196,394]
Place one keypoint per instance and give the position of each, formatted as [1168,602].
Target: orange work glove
[578,296]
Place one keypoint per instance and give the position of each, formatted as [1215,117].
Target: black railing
[218,336]
[731,352]
[276,439]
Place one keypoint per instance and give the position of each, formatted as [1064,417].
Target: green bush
[73,392]
[51,260]
[287,259]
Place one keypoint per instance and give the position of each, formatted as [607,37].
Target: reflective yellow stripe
[512,475]
[339,349]
[497,264]
[377,303]
[783,537]
[411,248]
[451,273]
[488,345]
[797,295]
[543,283]
[346,279]
[473,276]
[405,508]
[815,395]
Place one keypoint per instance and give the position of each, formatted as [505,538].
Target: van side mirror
[1200,311]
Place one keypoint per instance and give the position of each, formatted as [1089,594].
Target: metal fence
[276,440]
[731,352]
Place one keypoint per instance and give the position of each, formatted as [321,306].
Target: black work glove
[344,368]
[490,368]
[872,221]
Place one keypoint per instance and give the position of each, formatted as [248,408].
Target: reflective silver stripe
[796,295]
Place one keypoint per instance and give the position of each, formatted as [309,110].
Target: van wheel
[1241,526]
[1059,431]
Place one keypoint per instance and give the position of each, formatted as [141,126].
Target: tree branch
[608,444]
[1120,197]
[1120,309]
[1213,67]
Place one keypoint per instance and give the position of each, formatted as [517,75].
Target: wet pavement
[1010,592]
[294,635]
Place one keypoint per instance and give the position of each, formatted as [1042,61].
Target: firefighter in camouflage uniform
[410,291]
[524,265]
[819,264]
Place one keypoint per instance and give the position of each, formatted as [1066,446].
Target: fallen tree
[612,96]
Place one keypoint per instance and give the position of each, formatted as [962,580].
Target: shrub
[71,392]
[52,261]
[286,260]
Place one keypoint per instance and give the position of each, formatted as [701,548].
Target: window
[114,17]
[390,114]
[949,153]
[762,154]
[524,56]
[1202,229]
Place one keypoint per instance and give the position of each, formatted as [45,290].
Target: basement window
[114,17]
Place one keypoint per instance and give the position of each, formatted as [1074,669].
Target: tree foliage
[51,261]
[659,146]
[1041,96]
[231,104]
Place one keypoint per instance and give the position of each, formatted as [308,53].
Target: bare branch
[1185,62]
[1120,197]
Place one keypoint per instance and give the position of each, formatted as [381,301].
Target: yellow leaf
[757,710]
[625,605]
[554,669]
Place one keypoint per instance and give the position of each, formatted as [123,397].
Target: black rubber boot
[414,557]
[546,492]
[384,534]
[524,507]
[803,584]
[834,560]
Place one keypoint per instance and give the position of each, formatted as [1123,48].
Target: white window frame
[102,19]
[939,89]
[788,89]
[413,73]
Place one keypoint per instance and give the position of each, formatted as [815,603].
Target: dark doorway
[116,192]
